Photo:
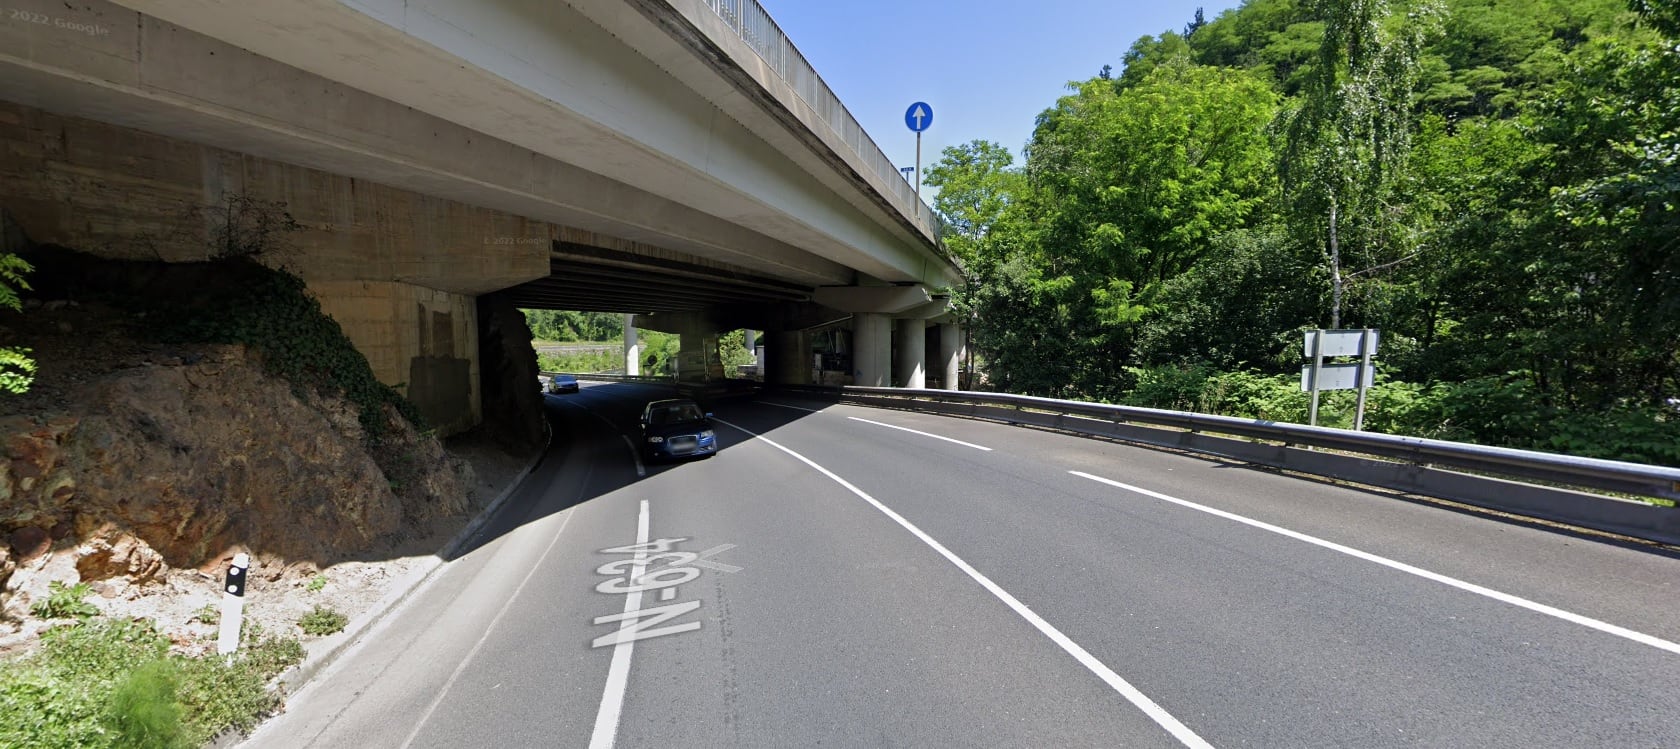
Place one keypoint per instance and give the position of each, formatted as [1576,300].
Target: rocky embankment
[142,468]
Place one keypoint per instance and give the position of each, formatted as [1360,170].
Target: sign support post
[1317,365]
[1316,376]
[1359,377]
[918,165]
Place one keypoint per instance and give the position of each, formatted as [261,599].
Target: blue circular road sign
[919,116]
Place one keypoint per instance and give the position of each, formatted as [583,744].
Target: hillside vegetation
[1495,184]
[658,350]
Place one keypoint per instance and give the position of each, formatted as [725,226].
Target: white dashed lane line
[1568,616]
[924,434]
[1132,694]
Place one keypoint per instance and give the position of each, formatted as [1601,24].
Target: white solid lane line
[618,674]
[486,636]
[635,455]
[1090,662]
[1568,616]
[796,408]
[924,434]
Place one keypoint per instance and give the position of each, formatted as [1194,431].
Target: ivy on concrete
[272,312]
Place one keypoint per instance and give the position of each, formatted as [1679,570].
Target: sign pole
[1365,346]
[1318,363]
[918,165]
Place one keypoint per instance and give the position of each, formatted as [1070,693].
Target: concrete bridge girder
[551,132]
[544,78]
[880,300]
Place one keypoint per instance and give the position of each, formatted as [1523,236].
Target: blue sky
[986,67]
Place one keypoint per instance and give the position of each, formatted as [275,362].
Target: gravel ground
[184,602]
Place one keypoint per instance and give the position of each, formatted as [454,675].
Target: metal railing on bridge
[755,27]
[610,377]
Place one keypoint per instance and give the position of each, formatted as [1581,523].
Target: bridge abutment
[398,270]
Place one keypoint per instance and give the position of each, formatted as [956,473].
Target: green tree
[977,183]
[1125,186]
[1195,24]
[1568,269]
[1346,140]
[1149,53]
[1239,307]
[568,326]
[732,351]
[1132,182]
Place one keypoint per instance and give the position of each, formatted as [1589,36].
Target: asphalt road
[844,576]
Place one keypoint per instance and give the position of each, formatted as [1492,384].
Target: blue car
[677,429]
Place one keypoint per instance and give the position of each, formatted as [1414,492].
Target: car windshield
[675,413]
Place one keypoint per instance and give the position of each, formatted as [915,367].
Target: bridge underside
[595,279]
[420,183]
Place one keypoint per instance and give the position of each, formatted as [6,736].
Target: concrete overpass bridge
[676,160]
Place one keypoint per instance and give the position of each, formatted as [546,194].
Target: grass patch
[143,710]
[322,621]
[317,583]
[102,683]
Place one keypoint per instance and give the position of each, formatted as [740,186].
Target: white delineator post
[233,604]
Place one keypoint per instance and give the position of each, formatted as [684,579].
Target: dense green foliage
[658,350]
[732,350]
[143,708]
[111,683]
[272,312]
[580,361]
[17,369]
[566,326]
[1495,184]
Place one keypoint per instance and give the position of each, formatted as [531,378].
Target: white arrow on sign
[920,114]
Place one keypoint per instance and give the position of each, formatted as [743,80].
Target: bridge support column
[912,354]
[950,354]
[871,349]
[632,350]
[691,355]
[787,355]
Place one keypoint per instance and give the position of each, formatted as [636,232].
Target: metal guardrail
[755,27]
[609,377]
[1590,473]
